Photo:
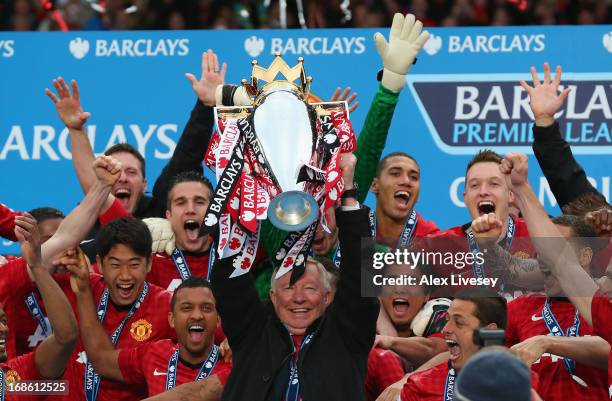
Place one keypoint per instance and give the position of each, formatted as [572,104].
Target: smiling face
[459,331]
[131,183]
[486,191]
[300,304]
[397,187]
[188,202]
[3,334]
[195,319]
[402,302]
[124,273]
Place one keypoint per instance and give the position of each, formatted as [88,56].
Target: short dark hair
[587,202]
[490,306]
[187,176]
[127,148]
[583,233]
[127,231]
[41,214]
[191,282]
[383,162]
[484,156]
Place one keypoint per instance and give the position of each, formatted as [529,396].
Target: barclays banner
[462,95]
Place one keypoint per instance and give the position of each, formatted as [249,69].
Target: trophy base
[293,211]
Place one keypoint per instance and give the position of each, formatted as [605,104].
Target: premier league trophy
[275,154]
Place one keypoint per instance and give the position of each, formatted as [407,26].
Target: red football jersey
[114,212]
[20,368]
[423,227]
[165,274]
[455,240]
[7,222]
[25,333]
[525,321]
[384,369]
[148,364]
[149,323]
[427,385]
[601,311]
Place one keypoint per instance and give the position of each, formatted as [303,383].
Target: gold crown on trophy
[288,76]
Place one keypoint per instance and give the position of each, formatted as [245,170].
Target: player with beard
[471,310]
[161,365]
[593,304]
[485,192]
[131,187]
[50,359]
[546,330]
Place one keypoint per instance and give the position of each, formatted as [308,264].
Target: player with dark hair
[48,220]
[546,330]
[129,191]
[593,304]
[49,360]
[127,309]
[486,192]
[161,365]
[471,310]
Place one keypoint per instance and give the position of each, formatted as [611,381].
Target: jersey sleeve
[25,366]
[15,282]
[114,212]
[131,361]
[384,369]
[7,222]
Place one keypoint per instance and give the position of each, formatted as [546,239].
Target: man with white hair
[307,346]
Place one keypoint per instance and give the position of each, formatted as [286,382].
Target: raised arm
[196,135]
[69,110]
[100,350]
[352,312]
[551,246]
[565,176]
[524,273]
[587,350]
[417,350]
[397,55]
[77,224]
[52,355]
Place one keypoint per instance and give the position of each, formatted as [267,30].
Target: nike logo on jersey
[158,373]
[535,318]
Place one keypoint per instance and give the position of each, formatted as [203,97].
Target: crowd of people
[31,15]
[125,299]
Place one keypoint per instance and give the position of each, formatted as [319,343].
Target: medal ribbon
[478,268]
[37,314]
[403,241]
[293,388]
[207,366]
[555,329]
[92,379]
[449,385]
